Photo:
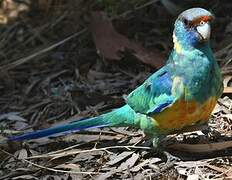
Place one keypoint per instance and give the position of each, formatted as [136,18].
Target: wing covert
[154,95]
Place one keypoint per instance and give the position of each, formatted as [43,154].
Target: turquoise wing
[154,95]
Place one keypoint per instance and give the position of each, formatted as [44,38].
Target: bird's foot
[160,146]
[171,158]
[152,142]
[156,143]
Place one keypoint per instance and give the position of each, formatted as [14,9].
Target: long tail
[123,116]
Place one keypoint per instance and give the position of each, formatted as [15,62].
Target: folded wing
[154,95]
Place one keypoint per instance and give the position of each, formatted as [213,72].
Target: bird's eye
[202,23]
[186,22]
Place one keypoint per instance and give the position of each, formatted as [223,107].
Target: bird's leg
[156,143]
[160,148]
[160,142]
[159,145]
[171,158]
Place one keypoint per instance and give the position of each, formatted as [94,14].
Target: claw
[160,147]
[171,158]
[156,143]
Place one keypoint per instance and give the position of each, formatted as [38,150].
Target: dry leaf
[217,109]
[226,81]
[193,177]
[154,160]
[110,43]
[129,162]
[119,157]
[12,116]
[30,177]
[79,138]
[201,148]
[10,10]
[227,90]
[23,154]
[15,117]
[70,166]
[107,175]
[139,166]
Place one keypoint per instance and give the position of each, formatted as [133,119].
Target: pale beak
[204,31]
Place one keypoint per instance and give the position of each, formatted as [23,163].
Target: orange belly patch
[184,113]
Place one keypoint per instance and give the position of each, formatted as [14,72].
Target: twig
[30,57]
[47,168]
[202,148]
[223,173]
[73,152]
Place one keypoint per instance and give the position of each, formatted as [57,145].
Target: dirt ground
[62,61]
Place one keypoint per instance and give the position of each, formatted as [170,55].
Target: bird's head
[192,28]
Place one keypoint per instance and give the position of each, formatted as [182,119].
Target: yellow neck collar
[177,46]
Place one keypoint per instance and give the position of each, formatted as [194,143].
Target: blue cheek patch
[185,36]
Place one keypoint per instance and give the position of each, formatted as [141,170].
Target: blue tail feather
[67,128]
[118,117]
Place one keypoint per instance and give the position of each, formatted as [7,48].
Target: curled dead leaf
[111,44]
[129,162]
[201,148]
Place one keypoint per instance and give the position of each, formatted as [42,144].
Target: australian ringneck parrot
[182,93]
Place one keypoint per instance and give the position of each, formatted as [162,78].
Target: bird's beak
[204,31]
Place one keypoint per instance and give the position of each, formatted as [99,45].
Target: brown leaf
[110,43]
[153,58]
[227,90]
[23,154]
[201,148]
[193,177]
[139,166]
[119,157]
[86,156]
[30,177]
[226,80]
[217,109]
[129,162]
[107,175]
[70,166]
[80,138]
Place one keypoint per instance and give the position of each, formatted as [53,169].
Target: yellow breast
[184,113]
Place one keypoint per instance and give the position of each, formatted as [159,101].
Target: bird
[181,94]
